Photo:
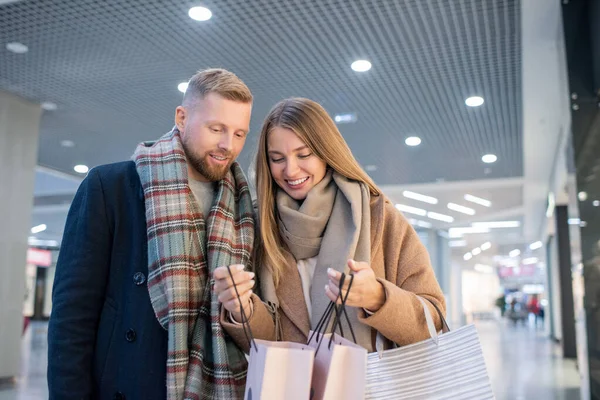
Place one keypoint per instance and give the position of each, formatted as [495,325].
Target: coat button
[139,278]
[130,335]
[119,396]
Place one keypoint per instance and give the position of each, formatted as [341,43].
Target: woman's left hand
[366,291]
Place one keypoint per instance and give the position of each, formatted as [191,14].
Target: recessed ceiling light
[419,197]
[48,106]
[489,158]
[476,251]
[515,253]
[530,260]
[361,66]
[478,200]
[596,203]
[82,169]
[422,224]
[411,210]
[182,87]
[413,141]
[474,101]
[461,209]
[344,118]
[582,196]
[440,217]
[486,246]
[457,243]
[16,47]
[574,221]
[498,224]
[467,256]
[370,168]
[39,228]
[200,13]
[536,245]
[67,143]
[459,232]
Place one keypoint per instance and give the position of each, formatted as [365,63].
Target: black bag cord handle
[328,314]
[342,310]
[245,322]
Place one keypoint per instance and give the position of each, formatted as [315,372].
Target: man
[133,308]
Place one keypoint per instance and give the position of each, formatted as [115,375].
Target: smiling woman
[293,165]
[321,215]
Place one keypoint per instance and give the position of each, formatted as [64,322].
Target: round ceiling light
[474,101]
[182,87]
[67,143]
[361,66]
[582,196]
[16,47]
[81,169]
[200,13]
[489,158]
[48,106]
[413,141]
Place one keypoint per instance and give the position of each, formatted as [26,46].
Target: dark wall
[581,20]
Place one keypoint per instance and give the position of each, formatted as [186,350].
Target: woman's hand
[244,281]
[366,291]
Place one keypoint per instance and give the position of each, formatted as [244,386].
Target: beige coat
[400,262]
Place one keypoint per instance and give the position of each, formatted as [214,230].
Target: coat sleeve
[78,293]
[401,319]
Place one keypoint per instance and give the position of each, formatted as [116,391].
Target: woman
[321,215]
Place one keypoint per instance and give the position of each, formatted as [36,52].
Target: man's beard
[201,164]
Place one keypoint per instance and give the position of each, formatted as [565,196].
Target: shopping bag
[340,365]
[276,370]
[279,370]
[446,366]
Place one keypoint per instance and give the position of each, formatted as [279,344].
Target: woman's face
[293,165]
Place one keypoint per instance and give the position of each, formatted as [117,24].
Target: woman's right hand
[244,281]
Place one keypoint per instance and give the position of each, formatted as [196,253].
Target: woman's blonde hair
[312,124]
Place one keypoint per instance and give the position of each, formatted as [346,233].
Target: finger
[223,273]
[230,293]
[330,294]
[357,266]
[333,274]
[239,278]
[234,305]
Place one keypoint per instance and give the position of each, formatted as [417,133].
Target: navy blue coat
[104,341]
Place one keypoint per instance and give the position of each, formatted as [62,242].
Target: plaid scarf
[183,252]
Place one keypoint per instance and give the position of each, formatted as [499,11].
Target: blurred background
[480,119]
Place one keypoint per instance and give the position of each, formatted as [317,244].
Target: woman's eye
[303,156]
[276,160]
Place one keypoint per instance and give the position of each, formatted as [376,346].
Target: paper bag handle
[321,326]
[245,322]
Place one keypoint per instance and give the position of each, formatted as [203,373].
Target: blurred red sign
[41,258]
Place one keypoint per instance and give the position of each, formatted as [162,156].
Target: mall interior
[479,119]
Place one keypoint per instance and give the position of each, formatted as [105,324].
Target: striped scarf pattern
[183,252]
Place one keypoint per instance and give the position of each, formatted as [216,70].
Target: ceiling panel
[113,66]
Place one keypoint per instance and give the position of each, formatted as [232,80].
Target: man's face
[213,133]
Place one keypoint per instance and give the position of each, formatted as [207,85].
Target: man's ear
[180,118]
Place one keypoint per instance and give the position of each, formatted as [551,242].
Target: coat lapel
[291,297]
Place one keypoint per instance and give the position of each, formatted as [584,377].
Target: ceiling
[112,68]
